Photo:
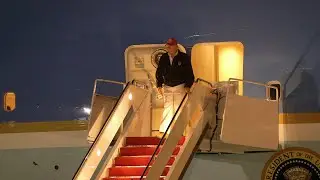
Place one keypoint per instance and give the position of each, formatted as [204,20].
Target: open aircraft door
[242,123]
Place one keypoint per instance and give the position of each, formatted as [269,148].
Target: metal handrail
[107,81]
[111,114]
[140,84]
[199,79]
[110,81]
[95,89]
[255,83]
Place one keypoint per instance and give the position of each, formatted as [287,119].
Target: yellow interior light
[230,64]
[218,61]
[9,103]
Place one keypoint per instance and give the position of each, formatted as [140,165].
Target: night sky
[52,51]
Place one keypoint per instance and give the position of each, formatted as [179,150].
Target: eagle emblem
[156,55]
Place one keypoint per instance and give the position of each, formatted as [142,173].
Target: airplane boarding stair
[135,154]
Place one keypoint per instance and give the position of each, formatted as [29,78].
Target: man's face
[172,49]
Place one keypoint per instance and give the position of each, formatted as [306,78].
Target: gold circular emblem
[294,163]
[156,55]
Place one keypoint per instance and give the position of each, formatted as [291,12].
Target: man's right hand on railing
[160,93]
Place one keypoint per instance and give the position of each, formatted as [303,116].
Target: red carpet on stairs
[135,156]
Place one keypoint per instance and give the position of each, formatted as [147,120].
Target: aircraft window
[9,101]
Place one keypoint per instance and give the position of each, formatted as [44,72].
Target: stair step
[135,156]
[136,161]
[138,151]
[148,141]
[132,171]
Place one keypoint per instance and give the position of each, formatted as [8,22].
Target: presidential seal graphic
[295,163]
[156,55]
